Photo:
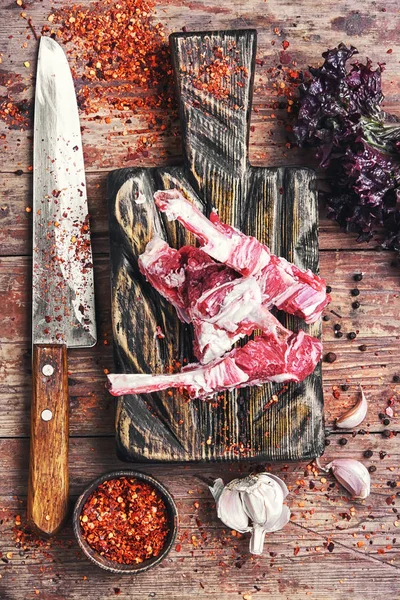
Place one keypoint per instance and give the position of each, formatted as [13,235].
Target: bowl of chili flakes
[125,522]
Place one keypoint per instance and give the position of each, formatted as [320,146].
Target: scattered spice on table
[330,357]
[214,74]
[125,520]
[120,61]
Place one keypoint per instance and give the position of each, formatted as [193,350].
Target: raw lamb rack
[261,360]
[282,284]
[222,306]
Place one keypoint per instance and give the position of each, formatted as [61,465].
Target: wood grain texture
[219,567]
[92,407]
[16,223]
[278,206]
[211,562]
[48,466]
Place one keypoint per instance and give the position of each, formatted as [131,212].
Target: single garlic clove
[231,512]
[281,521]
[356,415]
[254,506]
[217,488]
[279,481]
[352,475]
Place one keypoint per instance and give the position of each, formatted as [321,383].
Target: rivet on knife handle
[48,468]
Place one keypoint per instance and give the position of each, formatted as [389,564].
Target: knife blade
[63,309]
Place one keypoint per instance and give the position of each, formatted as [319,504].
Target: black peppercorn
[358,277]
[372,468]
[386,421]
[363,347]
[386,433]
[355,292]
[344,387]
[337,327]
[368,453]
[338,334]
[325,318]
[392,484]
[327,442]
[382,454]
[396,378]
[330,357]
[18,172]
[343,441]
[381,415]
[352,335]
[328,289]
[356,304]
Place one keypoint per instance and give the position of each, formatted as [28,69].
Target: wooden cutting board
[214,75]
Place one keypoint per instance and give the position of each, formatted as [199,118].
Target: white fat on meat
[235,250]
[199,381]
[249,257]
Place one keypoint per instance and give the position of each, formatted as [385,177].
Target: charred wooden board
[277,205]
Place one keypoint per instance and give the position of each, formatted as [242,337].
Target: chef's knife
[63,294]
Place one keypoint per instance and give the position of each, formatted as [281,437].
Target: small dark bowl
[110,565]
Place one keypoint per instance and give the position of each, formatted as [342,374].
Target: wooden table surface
[333,547]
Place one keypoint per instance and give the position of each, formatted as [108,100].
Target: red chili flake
[125,520]
[285,44]
[159,333]
[389,51]
[178,547]
[296,551]
[213,74]
[121,58]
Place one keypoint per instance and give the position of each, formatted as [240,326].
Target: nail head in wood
[48,370]
[46,415]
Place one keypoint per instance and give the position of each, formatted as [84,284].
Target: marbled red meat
[222,306]
[225,301]
[289,288]
[264,359]
[182,276]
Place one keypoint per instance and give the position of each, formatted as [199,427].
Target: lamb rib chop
[222,306]
[259,361]
[298,292]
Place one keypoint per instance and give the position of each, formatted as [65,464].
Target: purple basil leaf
[340,114]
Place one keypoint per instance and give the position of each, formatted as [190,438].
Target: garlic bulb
[253,503]
[356,415]
[353,476]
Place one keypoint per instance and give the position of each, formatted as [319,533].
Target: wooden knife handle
[48,466]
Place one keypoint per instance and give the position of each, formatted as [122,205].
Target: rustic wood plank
[16,223]
[207,564]
[278,206]
[92,408]
[58,573]
[373,30]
